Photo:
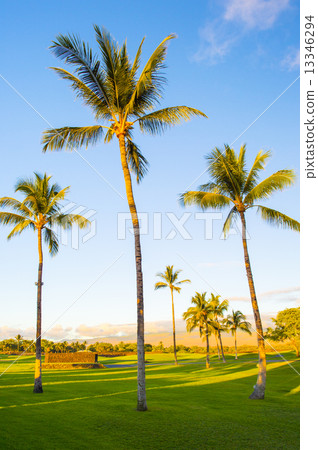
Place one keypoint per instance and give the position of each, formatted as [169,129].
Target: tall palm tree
[170,280]
[237,321]
[232,184]
[111,88]
[219,308]
[200,316]
[40,210]
[19,338]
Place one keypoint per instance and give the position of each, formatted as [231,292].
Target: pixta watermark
[77,237]
[169,226]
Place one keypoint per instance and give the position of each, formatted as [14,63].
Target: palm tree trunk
[235,344]
[174,331]
[259,388]
[221,345]
[38,365]
[217,345]
[207,348]
[141,376]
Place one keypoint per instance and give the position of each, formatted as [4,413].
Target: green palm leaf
[276,182]
[277,218]
[158,121]
[71,137]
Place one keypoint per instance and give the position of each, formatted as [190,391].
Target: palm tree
[40,210]
[111,88]
[200,316]
[170,278]
[219,309]
[237,321]
[232,184]
[19,338]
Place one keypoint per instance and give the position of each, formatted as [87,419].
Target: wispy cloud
[278,294]
[216,40]
[260,14]
[239,17]
[292,59]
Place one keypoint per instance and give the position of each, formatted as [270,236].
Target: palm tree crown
[199,315]
[113,90]
[232,184]
[40,210]
[170,278]
[237,321]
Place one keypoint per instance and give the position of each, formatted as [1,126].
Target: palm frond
[277,218]
[16,205]
[7,218]
[77,53]
[137,162]
[258,165]
[71,137]
[276,182]
[148,88]
[160,284]
[54,206]
[205,199]
[51,240]
[226,171]
[82,90]
[66,221]
[158,121]
[229,220]
[20,227]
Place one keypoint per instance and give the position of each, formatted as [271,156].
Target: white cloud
[292,59]
[125,330]
[259,14]
[58,333]
[216,42]
[239,17]
[278,295]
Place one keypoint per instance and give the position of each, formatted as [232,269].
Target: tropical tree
[232,184]
[115,92]
[170,280]
[287,328]
[200,316]
[40,210]
[219,308]
[237,321]
[19,339]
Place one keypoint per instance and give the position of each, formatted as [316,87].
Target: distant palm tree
[232,184]
[40,210]
[111,88]
[170,278]
[200,316]
[219,308]
[237,321]
[19,338]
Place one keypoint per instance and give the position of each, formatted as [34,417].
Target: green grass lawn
[190,407]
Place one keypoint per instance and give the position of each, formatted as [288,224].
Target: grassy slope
[189,407]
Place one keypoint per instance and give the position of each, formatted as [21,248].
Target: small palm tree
[19,338]
[237,321]
[232,184]
[219,308]
[111,88]
[200,316]
[40,210]
[170,278]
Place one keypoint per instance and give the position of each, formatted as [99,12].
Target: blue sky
[231,60]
